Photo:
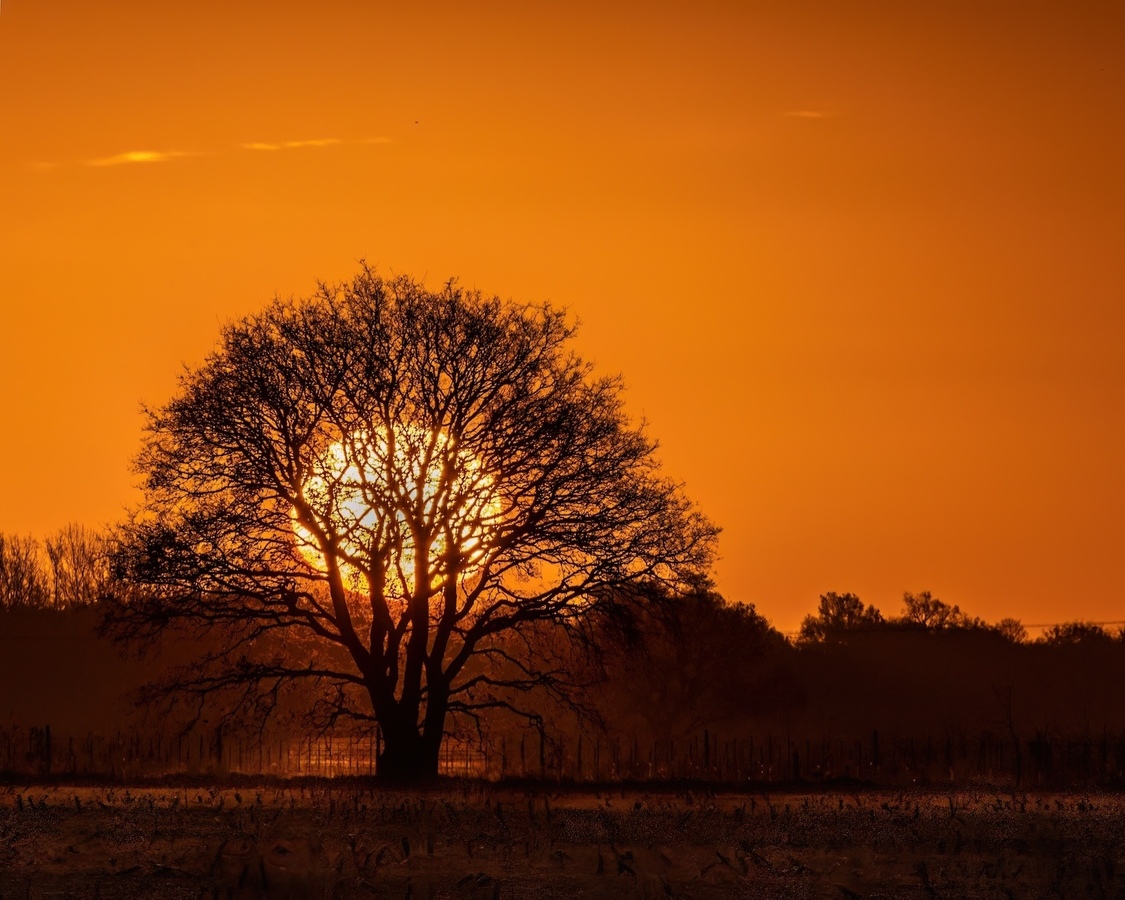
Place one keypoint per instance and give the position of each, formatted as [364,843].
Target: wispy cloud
[291,145]
[807,114]
[137,156]
[157,156]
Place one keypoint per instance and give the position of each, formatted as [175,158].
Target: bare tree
[384,489]
[79,566]
[23,581]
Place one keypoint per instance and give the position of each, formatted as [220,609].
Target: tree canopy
[386,486]
[837,614]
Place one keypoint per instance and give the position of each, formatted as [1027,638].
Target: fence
[987,758]
[1049,761]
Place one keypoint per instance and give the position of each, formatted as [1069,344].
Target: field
[323,839]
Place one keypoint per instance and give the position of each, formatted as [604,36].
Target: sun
[379,494]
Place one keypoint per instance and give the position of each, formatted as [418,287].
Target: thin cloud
[137,156]
[133,157]
[290,145]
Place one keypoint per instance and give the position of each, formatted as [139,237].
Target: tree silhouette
[79,566]
[1011,630]
[836,614]
[926,611]
[1075,633]
[385,490]
[23,580]
[678,676]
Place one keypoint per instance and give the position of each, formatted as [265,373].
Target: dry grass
[330,840]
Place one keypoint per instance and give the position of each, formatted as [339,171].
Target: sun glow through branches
[372,499]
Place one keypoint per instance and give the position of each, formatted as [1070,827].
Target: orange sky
[862,265]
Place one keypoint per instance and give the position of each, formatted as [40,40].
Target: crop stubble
[352,840]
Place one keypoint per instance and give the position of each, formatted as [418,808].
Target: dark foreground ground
[354,841]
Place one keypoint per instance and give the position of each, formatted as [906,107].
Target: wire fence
[1043,760]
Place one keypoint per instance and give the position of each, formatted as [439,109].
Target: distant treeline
[72,568]
[841,615]
[69,568]
[931,672]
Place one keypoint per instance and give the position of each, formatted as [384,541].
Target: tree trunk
[408,756]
